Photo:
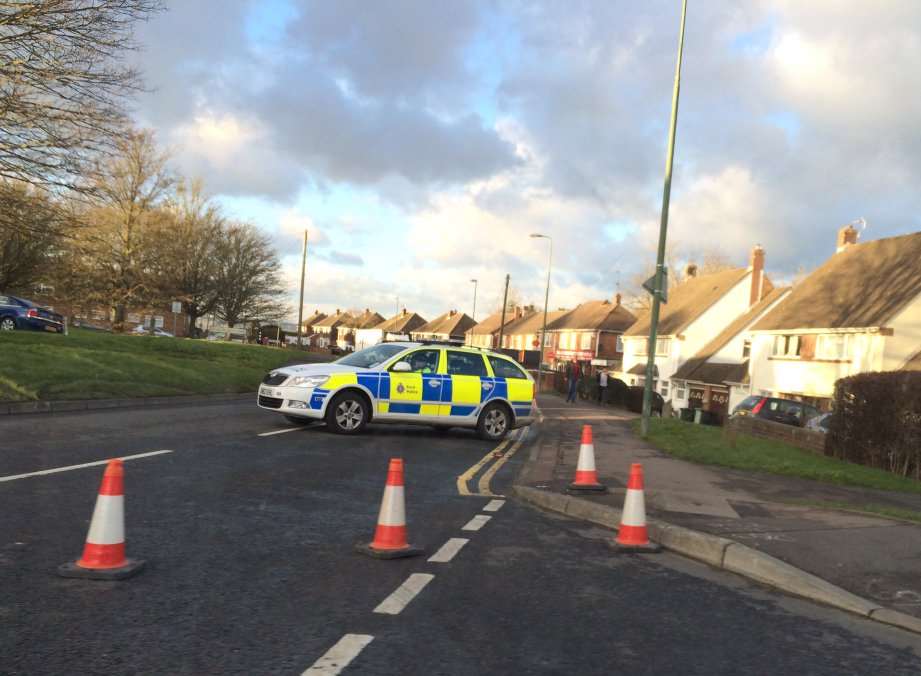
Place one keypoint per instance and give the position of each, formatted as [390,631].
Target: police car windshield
[371,356]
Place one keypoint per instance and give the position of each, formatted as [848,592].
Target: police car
[425,383]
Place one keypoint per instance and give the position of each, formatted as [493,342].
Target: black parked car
[18,313]
[775,409]
[634,400]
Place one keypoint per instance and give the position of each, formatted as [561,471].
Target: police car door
[466,371]
[414,394]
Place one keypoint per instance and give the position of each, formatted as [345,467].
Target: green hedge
[877,421]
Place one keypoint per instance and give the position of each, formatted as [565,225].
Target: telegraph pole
[659,285]
[504,304]
[300,305]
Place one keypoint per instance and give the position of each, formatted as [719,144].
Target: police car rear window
[466,364]
[503,368]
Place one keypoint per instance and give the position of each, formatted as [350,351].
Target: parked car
[156,333]
[820,423]
[775,409]
[21,314]
[634,400]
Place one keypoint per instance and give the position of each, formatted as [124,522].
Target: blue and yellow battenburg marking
[430,394]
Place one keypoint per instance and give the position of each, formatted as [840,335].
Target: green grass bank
[97,365]
[704,444]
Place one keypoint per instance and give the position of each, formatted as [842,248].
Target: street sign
[177,307]
[650,286]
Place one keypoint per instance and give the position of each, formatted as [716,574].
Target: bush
[877,421]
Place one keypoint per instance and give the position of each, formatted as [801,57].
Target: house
[486,333]
[716,378]
[591,333]
[860,311]
[451,326]
[699,308]
[360,333]
[308,322]
[326,331]
[524,333]
[395,328]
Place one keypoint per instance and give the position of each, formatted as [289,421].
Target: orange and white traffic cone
[586,480]
[633,535]
[390,541]
[104,552]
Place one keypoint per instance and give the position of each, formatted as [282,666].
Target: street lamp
[300,305]
[474,298]
[543,333]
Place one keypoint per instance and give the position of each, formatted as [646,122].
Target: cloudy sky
[422,141]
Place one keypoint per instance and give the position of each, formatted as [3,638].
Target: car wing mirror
[402,367]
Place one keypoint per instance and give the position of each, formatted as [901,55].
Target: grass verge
[704,444]
[96,365]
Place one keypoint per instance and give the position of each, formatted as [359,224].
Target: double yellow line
[498,456]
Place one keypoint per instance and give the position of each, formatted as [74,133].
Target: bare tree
[116,251]
[249,276]
[32,226]
[64,85]
[187,251]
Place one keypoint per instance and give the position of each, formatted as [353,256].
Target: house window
[663,345]
[834,346]
[548,339]
[640,347]
[786,346]
[620,344]
[680,390]
[746,349]
[663,389]
[586,341]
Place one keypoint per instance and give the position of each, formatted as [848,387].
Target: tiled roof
[335,320]
[314,318]
[491,323]
[402,323]
[595,315]
[688,300]
[692,368]
[366,320]
[864,286]
[449,324]
[531,324]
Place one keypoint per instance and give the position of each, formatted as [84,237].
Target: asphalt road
[251,568]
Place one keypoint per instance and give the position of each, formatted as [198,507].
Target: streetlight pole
[504,304]
[474,298]
[660,280]
[300,305]
[543,333]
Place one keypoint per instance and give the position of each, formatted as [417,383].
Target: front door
[466,385]
[413,394]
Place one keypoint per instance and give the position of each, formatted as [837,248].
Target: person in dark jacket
[575,374]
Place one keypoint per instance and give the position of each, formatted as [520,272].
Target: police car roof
[445,343]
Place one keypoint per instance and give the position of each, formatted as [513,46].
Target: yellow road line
[491,472]
[470,473]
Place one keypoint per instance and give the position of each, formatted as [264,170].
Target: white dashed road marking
[340,655]
[448,550]
[406,592]
[13,477]
[477,522]
[494,506]
[287,429]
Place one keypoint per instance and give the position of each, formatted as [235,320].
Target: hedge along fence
[877,421]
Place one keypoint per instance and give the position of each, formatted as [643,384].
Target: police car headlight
[307,381]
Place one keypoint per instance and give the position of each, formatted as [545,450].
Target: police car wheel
[347,413]
[494,422]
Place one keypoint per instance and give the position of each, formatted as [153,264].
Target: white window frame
[681,390]
[585,342]
[548,339]
[833,346]
[619,347]
[663,389]
[663,346]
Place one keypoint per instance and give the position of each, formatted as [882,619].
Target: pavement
[873,557]
[248,528]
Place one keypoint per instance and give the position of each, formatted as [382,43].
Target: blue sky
[422,142]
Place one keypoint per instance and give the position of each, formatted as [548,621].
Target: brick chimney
[452,313]
[617,298]
[756,265]
[404,311]
[519,312]
[846,236]
[690,270]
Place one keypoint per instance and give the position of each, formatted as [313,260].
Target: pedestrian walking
[575,374]
[602,386]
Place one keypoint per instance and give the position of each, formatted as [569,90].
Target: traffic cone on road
[104,552]
[390,541]
[633,535]
[586,480]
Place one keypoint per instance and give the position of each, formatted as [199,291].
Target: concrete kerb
[727,554]
[32,407]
